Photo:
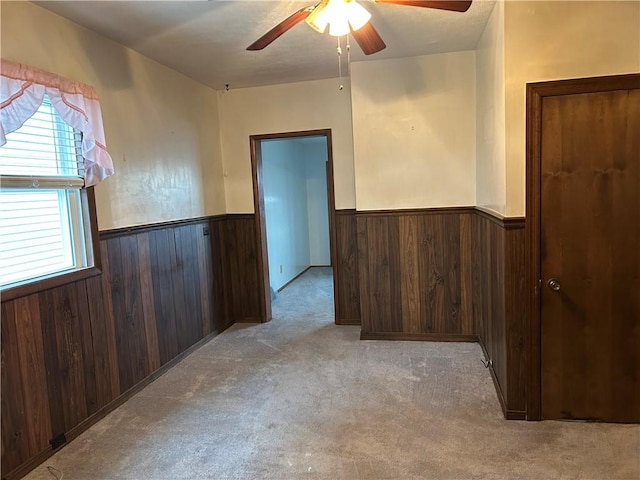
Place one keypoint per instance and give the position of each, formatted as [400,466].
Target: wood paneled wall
[415,274]
[238,260]
[447,274]
[500,306]
[347,285]
[73,353]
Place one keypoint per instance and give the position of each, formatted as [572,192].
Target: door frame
[264,294]
[533,227]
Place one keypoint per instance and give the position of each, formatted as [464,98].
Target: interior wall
[490,114]
[283,108]
[73,353]
[315,155]
[551,40]
[161,127]
[164,134]
[414,131]
[284,176]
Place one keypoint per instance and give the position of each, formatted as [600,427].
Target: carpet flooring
[301,398]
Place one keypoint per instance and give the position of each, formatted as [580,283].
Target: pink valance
[22,89]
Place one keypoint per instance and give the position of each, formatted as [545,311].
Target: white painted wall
[284,108]
[550,40]
[414,131]
[286,214]
[490,115]
[296,212]
[161,127]
[315,156]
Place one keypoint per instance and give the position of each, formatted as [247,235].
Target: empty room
[353,239]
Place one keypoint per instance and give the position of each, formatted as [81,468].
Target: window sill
[49,283]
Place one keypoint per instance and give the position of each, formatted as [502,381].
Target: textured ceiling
[206,40]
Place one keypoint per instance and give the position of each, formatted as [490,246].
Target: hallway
[302,398]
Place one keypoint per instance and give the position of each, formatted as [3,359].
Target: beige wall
[413,141]
[277,109]
[414,131]
[161,127]
[549,40]
[490,115]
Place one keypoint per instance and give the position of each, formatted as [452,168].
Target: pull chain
[339,50]
[348,56]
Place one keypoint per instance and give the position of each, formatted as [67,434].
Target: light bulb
[319,18]
[357,14]
[338,27]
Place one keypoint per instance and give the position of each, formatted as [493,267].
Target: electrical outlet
[58,441]
[280,268]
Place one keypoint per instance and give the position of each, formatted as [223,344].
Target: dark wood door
[590,245]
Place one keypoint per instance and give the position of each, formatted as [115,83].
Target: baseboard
[81,427]
[224,326]
[420,337]
[293,279]
[35,461]
[348,321]
[30,464]
[515,415]
[249,320]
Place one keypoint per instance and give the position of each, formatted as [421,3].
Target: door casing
[258,205]
[535,93]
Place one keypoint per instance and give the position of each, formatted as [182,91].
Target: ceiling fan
[348,16]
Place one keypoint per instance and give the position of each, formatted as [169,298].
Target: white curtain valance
[22,89]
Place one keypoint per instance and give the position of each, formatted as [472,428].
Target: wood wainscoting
[446,274]
[239,267]
[416,274]
[73,353]
[347,291]
[500,307]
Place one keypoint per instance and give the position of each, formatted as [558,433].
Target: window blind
[45,145]
[36,237]
[40,224]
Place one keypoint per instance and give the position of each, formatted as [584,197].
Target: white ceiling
[206,40]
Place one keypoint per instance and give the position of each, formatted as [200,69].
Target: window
[43,228]
[52,150]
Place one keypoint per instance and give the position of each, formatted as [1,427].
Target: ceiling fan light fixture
[342,16]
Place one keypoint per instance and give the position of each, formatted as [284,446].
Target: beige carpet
[302,398]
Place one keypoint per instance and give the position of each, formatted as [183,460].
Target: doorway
[583,233]
[261,148]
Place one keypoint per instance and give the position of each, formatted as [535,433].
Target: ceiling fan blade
[282,27]
[369,39]
[451,5]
